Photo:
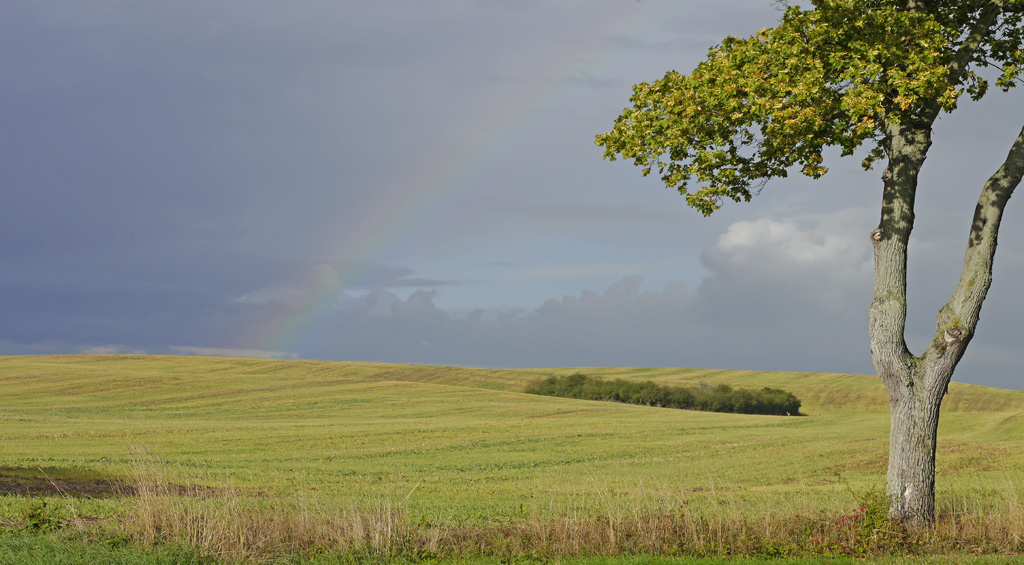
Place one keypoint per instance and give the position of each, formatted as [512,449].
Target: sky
[417,182]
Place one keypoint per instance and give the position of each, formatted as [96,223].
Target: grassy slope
[464,444]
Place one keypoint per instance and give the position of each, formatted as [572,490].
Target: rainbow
[418,191]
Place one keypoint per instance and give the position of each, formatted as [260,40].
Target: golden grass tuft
[993,526]
[225,523]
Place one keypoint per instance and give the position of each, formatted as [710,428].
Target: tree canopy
[837,75]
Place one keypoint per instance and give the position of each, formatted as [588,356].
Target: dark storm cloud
[144,318]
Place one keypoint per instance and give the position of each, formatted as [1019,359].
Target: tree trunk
[914,426]
[916,385]
[914,422]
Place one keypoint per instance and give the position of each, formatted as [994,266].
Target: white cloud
[825,261]
[787,239]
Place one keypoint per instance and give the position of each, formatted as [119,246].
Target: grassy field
[465,448]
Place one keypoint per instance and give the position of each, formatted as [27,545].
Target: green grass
[466,446]
[20,548]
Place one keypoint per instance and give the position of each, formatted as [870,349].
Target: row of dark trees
[710,398]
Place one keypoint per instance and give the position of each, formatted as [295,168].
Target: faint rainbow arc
[420,191]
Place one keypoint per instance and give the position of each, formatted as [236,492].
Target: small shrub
[40,516]
[874,532]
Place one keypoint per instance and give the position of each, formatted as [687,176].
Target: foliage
[719,398]
[41,516]
[835,76]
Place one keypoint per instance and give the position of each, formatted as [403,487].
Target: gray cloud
[787,294]
[177,173]
[420,283]
[781,295]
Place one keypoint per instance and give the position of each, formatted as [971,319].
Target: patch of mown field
[466,448]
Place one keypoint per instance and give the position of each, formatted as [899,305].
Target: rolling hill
[468,444]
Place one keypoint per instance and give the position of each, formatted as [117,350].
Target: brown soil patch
[91,488]
[25,486]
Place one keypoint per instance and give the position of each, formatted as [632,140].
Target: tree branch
[959,317]
[974,38]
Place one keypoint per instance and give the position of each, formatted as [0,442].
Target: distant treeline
[710,398]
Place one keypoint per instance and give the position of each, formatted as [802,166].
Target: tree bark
[916,385]
[914,425]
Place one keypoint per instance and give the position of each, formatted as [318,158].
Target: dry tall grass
[227,524]
[992,527]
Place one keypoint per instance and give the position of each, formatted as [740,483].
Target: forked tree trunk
[917,384]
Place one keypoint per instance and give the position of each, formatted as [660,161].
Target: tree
[868,77]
